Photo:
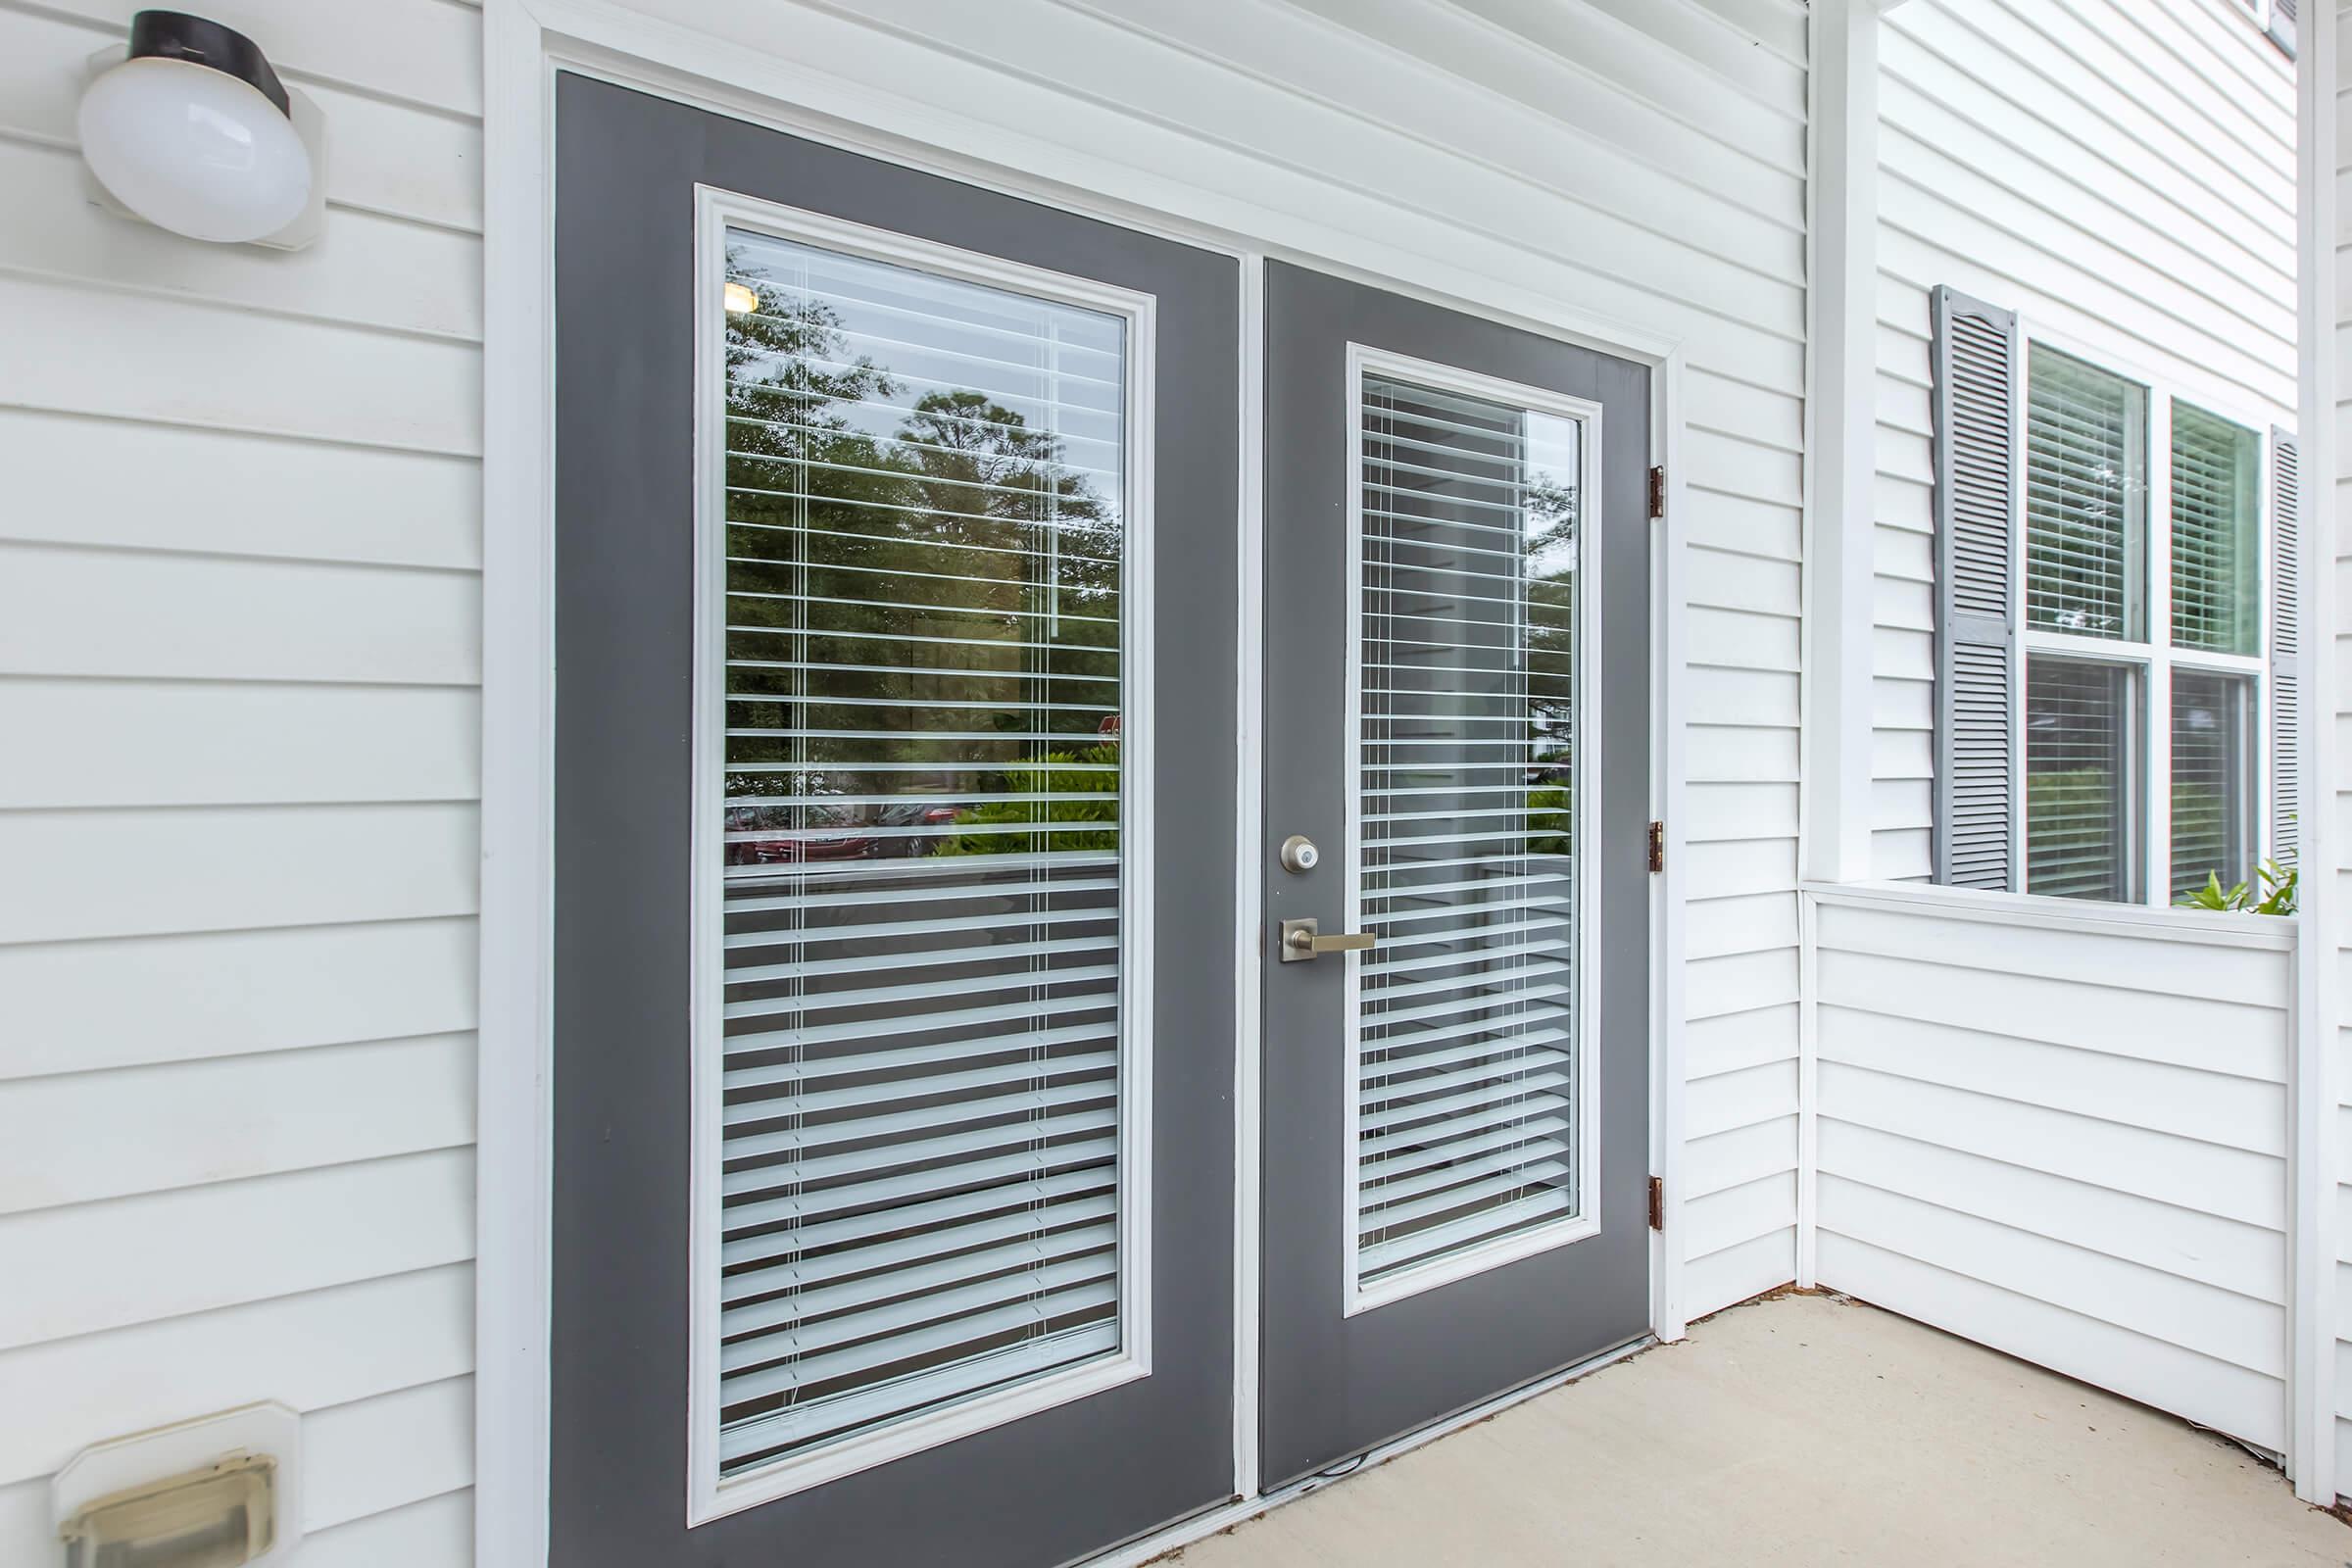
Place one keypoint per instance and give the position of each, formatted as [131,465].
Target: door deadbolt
[1298,854]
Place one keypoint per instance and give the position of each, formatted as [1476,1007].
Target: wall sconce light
[190,129]
[220,1492]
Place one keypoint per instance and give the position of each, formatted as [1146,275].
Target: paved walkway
[1806,1431]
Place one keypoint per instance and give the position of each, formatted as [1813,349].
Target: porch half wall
[2063,1133]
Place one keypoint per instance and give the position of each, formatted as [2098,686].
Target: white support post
[2312,1391]
[1840,413]
[1840,520]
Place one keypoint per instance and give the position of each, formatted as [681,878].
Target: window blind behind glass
[1466,1096]
[2216,473]
[2212,778]
[2078,841]
[2085,498]
[923,866]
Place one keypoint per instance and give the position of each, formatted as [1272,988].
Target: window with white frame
[2143,636]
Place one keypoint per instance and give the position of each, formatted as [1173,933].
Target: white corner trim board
[2314,1240]
[527,43]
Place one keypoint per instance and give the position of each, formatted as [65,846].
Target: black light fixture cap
[176,35]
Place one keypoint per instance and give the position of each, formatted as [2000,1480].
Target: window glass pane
[2086,499]
[2216,512]
[923,864]
[2213,786]
[2079,778]
[1467,1110]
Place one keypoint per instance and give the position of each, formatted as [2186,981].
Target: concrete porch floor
[1804,1430]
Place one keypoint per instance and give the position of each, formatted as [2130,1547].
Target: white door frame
[525,43]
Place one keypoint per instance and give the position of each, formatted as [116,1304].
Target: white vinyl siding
[240,629]
[2066,1141]
[2120,174]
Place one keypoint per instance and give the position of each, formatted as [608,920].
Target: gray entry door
[894,904]
[1457,706]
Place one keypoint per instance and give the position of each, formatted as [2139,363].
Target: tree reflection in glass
[922,573]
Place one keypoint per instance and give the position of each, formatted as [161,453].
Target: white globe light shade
[194,150]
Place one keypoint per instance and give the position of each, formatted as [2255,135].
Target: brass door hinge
[1657,491]
[1657,1202]
[1657,847]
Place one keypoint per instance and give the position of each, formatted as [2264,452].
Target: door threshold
[1199,1526]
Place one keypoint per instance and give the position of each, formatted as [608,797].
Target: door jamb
[525,43]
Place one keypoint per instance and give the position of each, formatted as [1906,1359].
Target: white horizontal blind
[2085,498]
[2217,468]
[925,485]
[2079,778]
[1467,1096]
[2213,783]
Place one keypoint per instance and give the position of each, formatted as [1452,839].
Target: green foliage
[2071,818]
[1549,818]
[2201,827]
[911,572]
[1058,774]
[2277,894]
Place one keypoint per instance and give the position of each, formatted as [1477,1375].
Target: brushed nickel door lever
[1301,941]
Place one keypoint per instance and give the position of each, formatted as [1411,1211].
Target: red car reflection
[843,839]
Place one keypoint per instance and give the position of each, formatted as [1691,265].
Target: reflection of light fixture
[740,299]
[190,128]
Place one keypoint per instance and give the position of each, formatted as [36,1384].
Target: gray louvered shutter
[1977,767]
[2287,645]
[2282,25]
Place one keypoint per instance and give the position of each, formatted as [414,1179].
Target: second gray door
[1456,1097]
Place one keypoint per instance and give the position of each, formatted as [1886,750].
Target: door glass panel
[1468,1136]
[925,874]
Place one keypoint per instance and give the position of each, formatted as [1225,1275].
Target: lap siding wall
[2068,1143]
[240,632]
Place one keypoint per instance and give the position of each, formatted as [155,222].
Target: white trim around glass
[2143,652]
[718,1485]
[1365,1288]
